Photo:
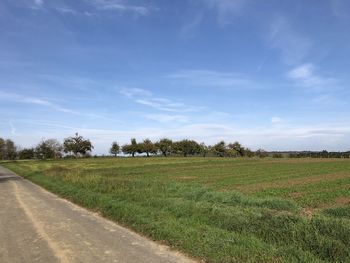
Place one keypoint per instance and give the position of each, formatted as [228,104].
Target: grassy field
[215,209]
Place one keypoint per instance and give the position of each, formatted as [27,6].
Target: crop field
[215,209]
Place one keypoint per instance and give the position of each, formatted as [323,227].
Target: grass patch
[339,212]
[213,208]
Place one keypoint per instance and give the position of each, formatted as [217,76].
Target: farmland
[215,209]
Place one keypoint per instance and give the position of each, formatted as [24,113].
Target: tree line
[321,154]
[78,146]
[166,147]
[75,146]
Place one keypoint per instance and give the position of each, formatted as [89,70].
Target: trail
[37,226]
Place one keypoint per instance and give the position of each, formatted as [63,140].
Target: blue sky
[271,74]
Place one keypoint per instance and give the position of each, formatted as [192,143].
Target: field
[215,209]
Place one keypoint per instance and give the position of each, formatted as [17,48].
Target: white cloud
[340,8]
[305,76]
[120,6]
[227,10]
[66,10]
[329,100]
[293,46]
[276,120]
[46,103]
[134,92]
[147,98]
[38,2]
[187,30]
[12,128]
[208,78]
[33,100]
[165,118]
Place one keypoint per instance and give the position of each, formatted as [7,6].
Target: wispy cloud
[12,128]
[93,7]
[121,6]
[305,76]
[164,118]
[16,98]
[340,8]
[66,10]
[208,78]
[38,2]
[147,98]
[187,30]
[293,46]
[134,92]
[54,6]
[35,101]
[227,10]
[328,99]
[276,120]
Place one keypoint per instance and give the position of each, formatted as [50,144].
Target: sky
[270,74]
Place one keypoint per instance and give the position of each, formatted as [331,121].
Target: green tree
[187,147]
[48,149]
[131,148]
[165,146]
[236,149]
[148,147]
[261,153]
[324,154]
[249,153]
[277,155]
[231,152]
[219,149]
[77,145]
[204,149]
[2,149]
[27,153]
[10,150]
[115,149]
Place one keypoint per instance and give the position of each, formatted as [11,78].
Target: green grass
[215,209]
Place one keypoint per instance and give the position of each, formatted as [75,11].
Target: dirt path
[37,226]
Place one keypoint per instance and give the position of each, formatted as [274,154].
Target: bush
[277,155]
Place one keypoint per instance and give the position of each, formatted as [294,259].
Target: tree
[186,147]
[324,154]
[48,149]
[219,149]
[204,149]
[77,145]
[126,149]
[2,149]
[277,155]
[26,153]
[261,153]
[115,149]
[165,146]
[147,147]
[10,150]
[131,148]
[249,153]
[231,152]
[236,149]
